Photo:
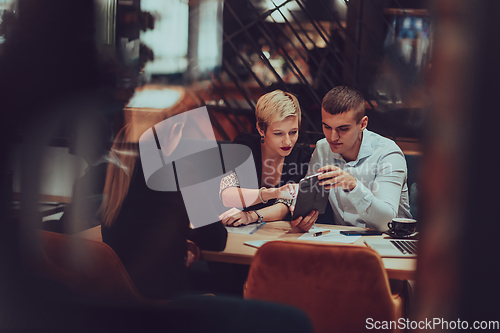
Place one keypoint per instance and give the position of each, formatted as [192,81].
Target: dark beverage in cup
[402,226]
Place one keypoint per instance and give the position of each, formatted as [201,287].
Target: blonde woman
[280,163]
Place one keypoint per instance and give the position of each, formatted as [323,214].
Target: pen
[257,227]
[320,233]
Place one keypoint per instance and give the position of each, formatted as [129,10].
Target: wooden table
[238,253]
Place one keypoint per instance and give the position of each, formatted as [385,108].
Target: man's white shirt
[381,192]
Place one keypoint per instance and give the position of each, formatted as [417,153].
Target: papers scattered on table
[333,236]
[246,229]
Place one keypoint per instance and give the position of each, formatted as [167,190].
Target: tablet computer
[311,196]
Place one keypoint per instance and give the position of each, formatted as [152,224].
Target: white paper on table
[333,236]
[246,229]
[315,229]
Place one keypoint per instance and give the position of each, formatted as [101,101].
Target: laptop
[393,248]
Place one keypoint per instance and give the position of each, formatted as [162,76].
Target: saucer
[394,235]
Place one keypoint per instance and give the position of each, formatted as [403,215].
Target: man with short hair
[365,172]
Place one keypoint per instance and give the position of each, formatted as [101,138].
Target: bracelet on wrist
[260,195]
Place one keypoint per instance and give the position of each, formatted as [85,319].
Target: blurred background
[164,57]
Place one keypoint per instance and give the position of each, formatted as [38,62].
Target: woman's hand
[235,217]
[305,223]
[228,213]
[288,191]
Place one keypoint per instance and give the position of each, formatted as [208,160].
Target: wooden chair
[90,269]
[339,286]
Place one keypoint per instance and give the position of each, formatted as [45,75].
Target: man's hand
[235,217]
[336,177]
[305,223]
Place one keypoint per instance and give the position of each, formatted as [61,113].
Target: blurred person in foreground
[149,229]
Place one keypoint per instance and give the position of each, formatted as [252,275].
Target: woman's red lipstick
[286,148]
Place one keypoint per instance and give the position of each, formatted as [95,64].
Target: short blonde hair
[276,106]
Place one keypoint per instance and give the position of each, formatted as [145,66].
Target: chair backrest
[339,286]
[90,269]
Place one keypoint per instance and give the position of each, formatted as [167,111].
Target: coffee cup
[402,226]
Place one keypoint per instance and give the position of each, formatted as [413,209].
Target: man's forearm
[374,211]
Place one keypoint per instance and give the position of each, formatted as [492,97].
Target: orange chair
[339,286]
[88,268]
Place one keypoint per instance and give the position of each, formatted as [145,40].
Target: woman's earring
[261,139]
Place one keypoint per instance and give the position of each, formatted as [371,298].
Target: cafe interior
[81,79]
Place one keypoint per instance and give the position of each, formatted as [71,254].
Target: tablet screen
[312,196]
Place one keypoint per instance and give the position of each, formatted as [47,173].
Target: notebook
[397,248]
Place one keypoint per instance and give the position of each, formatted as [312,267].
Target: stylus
[257,228]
